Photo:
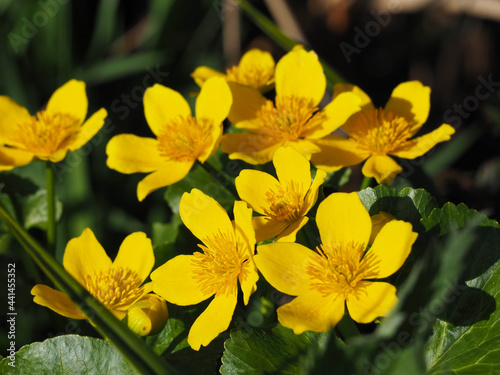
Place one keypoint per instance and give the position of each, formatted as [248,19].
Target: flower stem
[347,327]
[51,206]
[366,183]
[221,177]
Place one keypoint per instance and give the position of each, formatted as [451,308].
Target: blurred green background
[119,48]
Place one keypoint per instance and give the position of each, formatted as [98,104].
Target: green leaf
[467,333]
[263,351]
[200,179]
[338,179]
[34,209]
[68,354]
[407,204]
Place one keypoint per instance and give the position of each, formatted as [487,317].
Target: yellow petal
[247,101]
[212,148]
[366,102]
[12,157]
[305,146]
[378,222]
[419,146]
[11,116]
[214,320]
[312,194]
[290,233]
[299,74]
[204,216]
[243,229]
[176,282]
[70,99]
[202,73]
[266,228]
[411,100]
[136,253]
[56,301]
[128,153]
[312,311]
[337,113]
[382,167]
[284,264]
[170,173]
[256,59]
[214,101]
[148,316]
[292,169]
[252,187]
[342,218]
[390,249]
[251,148]
[161,105]
[84,255]
[89,129]
[337,152]
[371,300]
[245,235]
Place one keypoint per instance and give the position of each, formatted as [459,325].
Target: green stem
[220,177]
[347,327]
[268,27]
[132,347]
[51,206]
[365,183]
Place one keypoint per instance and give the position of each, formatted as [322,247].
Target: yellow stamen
[46,133]
[217,268]
[115,288]
[381,131]
[251,76]
[284,204]
[289,119]
[338,269]
[185,138]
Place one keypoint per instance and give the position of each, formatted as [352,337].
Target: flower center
[338,269]
[255,77]
[217,269]
[289,119]
[46,133]
[380,131]
[116,288]
[284,204]
[185,138]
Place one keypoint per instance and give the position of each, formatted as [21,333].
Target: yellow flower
[341,272]
[181,139]
[294,119]
[227,258]
[283,202]
[374,134]
[148,315]
[54,131]
[117,285]
[11,158]
[256,69]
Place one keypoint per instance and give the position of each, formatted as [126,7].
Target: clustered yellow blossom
[117,285]
[357,253]
[51,133]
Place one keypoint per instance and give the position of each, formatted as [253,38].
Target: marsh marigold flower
[52,132]
[294,119]
[285,202]
[342,272]
[376,133]
[225,260]
[181,139]
[256,69]
[117,285]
